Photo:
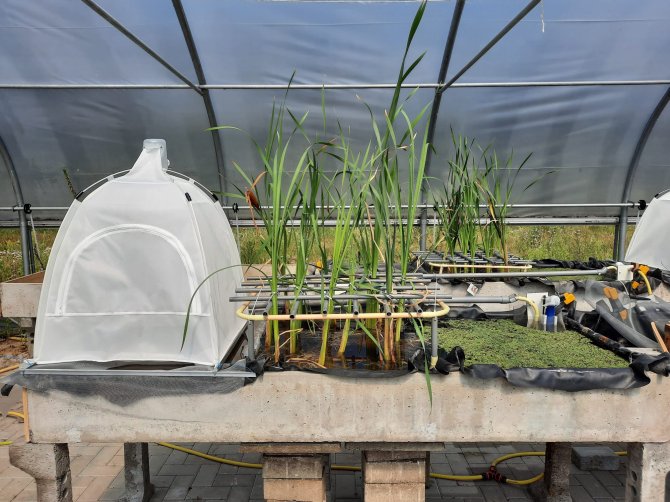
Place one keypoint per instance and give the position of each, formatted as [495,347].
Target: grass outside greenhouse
[558,242]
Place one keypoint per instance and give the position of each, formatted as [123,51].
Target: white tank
[124,266]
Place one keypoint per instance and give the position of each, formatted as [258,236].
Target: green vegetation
[560,242]
[509,345]
[11,263]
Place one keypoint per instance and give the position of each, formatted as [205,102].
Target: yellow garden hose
[9,368]
[212,457]
[646,280]
[450,477]
[536,311]
[16,414]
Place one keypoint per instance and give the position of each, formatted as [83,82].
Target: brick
[391,492]
[395,472]
[300,490]
[285,467]
[390,456]
[595,458]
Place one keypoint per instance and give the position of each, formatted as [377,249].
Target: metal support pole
[200,74]
[458,9]
[326,85]
[137,41]
[446,59]
[632,169]
[26,241]
[531,5]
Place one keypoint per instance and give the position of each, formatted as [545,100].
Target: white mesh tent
[124,265]
[581,85]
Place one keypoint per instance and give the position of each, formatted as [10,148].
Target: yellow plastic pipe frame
[444,310]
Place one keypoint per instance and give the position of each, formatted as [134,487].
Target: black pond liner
[564,379]
[125,390]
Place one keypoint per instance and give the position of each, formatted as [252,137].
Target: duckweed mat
[508,345]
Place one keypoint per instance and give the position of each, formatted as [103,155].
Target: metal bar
[200,75]
[632,168]
[557,273]
[433,296]
[36,370]
[442,75]
[538,221]
[26,244]
[262,87]
[628,204]
[531,5]
[137,41]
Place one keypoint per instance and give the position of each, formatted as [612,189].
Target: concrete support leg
[429,480]
[295,477]
[648,467]
[555,486]
[49,464]
[136,467]
[394,476]
[295,471]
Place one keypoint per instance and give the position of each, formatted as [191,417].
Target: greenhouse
[334,250]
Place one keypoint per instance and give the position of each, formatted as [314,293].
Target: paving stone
[234,480]
[579,494]
[239,494]
[179,488]
[493,493]
[592,485]
[616,491]
[156,462]
[177,457]
[179,470]
[162,481]
[595,458]
[228,469]
[345,487]
[208,493]
[459,491]
[205,475]
[159,494]
[607,478]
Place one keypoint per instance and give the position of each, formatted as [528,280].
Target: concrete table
[298,407]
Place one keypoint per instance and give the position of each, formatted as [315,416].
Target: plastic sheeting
[125,265]
[586,134]
[650,244]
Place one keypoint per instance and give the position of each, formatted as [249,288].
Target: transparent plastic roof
[585,135]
